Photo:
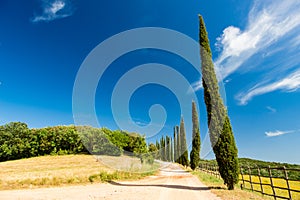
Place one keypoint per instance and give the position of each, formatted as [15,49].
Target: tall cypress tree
[195,153]
[172,151]
[167,148]
[221,135]
[184,158]
[158,150]
[162,149]
[178,145]
[175,145]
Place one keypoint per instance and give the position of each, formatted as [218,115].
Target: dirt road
[171,183]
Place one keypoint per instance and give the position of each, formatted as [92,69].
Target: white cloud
[141,123]
[52,10]
[272,33]
[268,21]
[195,86]
[277,133]
[273,110]
[290,83]
[227,80]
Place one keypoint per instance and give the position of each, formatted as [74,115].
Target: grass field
[50,171]
[220,189]
[277,182]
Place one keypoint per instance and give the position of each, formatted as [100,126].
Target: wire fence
[270,181]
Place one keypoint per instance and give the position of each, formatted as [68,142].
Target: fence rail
[251,178]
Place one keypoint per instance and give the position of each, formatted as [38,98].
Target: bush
[18,141]
[147,158]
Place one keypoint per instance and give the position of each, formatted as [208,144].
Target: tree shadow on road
[182,187]
[175,171]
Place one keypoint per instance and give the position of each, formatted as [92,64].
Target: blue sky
[255,44]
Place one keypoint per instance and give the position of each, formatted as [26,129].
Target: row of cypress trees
[220,131]
[175,149]
[164,149]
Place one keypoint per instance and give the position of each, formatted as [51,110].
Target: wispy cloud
[290,83]
[271,109]
[195,86]
[52,10]
[268,21]
[272,33]
[278,133]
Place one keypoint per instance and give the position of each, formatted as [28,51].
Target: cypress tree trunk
[221,136]
[196,144]
[184,156]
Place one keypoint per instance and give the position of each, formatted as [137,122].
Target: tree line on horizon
[17,141]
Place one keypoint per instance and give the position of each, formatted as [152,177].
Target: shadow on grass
[166,186]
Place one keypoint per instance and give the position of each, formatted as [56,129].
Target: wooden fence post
[242,174]
[271,180]
[215,170]
[260,182]
[250,178]
[287,182]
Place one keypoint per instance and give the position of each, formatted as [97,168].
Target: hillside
[252,163]
[51,171]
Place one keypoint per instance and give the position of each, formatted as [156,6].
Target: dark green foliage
[158,155]
[221,135]
[137,144]
[17,141]
[178,153]
[152,147]
[163,149]
[147,158]
[168,152]
[195,153]
[184,158]
[118,137]
[175,145]
[226,156]
[172,151]
[97,142]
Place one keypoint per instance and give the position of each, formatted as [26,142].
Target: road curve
[171,183]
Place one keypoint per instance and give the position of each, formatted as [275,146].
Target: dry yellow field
[277,182]
[50,171]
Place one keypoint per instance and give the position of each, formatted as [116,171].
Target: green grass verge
[217,187]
